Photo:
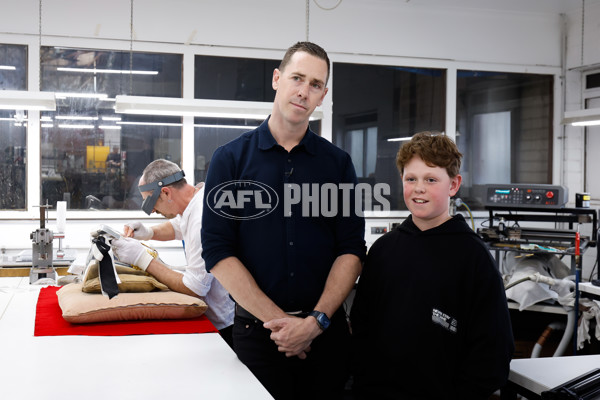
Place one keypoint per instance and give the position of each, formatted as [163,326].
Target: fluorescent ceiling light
[150,123]
[8,67]
[246,127]
[75,126]
[590,116]
[75,117]
[107,71]
[15,117]
[26,100]
[147,105]
[109,127]
[586,123]
[399,139]
[99,96]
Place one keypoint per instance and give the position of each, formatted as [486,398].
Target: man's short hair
[435,149]
[307,47]
[160,169]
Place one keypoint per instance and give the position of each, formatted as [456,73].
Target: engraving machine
[41,251]
[538,203]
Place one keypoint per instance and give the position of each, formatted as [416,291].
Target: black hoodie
[430,318]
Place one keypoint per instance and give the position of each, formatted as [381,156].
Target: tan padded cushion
[80,307]
[132,280]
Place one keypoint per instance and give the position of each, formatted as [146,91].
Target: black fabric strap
[106,271]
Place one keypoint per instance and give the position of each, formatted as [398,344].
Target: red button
[549,195]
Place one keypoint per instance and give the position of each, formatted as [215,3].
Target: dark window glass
[230,78]
[92,157]
[108,72]
[210,133]
[375,107]
[592,81]
[13,130]
[504,130]
[13,67]
[233,78]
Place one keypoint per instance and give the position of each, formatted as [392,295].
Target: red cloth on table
[49,322]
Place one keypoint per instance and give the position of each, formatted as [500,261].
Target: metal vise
[42,251]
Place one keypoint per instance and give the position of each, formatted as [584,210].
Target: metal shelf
[543,241]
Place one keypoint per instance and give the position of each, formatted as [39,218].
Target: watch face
[323,321]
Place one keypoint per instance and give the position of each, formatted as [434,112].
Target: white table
[537,375]
[541,374]
[145,367]
[587,287]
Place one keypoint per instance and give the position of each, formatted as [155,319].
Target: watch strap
[318,315]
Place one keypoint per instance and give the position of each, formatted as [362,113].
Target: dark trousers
[322,375]
[227,335]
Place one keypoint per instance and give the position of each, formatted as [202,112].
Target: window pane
[230,78]
[92,157]
[108,72]
[356,139]
[504,130]
[384,103]
[13,67]
[233,78]
[592,161]
[371,151]
[13,130]
[592,81]
[210,133]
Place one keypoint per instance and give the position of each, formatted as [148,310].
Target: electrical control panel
[377,227]
[526,195]
[379,230]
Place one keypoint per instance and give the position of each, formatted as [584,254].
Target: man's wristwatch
[321,318]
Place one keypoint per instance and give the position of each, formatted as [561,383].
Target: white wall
[578,60]
[361,31]
[371,27]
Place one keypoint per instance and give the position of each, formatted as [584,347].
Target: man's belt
[244,314]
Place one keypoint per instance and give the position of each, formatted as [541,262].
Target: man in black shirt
[287,270]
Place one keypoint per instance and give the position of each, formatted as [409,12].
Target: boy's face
[427,191]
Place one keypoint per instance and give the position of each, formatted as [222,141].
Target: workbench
[532,376]
[149,367]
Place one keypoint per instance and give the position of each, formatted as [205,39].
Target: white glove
[130,251]
[140,231]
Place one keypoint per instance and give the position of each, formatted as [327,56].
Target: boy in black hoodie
[430,318]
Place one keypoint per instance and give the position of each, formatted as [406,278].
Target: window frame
[189,53]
